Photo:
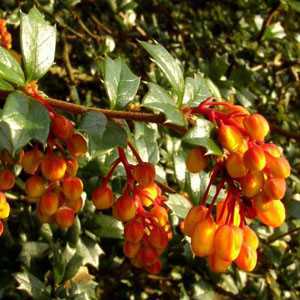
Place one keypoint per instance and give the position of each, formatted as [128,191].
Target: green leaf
[33,286]
[5,86]
[199,135]
[168,65]
[94,125]
[10,69]
[90,252]
[179,167]
[26,119]
[72,267]
[179,205]
[5,140]
[158,99]
[196,90]
[31,250]
[120,83]
[274,31]
[38,41]
[146,136]
[294,4]
[108,227]
[113,136]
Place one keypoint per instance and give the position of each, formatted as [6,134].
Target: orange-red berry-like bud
[255,159]
[44,218]
[235,165]
[195,215]
[74,203]
[4,207]
[134,231]
[49,203]
[65,217]
[35,186]
[196,160]
[256,126]
[217,264]
[147,255]
[102,197]
[228,242]
[131,249]
[260,200]
[160,215]
[72,187]
[72,167]
[230,137]
[1,228]
[155,268]
[144,173]
[125,208]
[272,150]
[222,213]
[53,167]
[148,194]
[31,160]
[275,188]
[158,238]
[203,237]
[250,238]
[77,145]
[252,183]
[247,259]
[62,127]
[7,180]
[278,167]
[273,213]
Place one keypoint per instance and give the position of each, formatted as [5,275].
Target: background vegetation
[248,51]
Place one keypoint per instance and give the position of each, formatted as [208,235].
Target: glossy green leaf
[72,267]
[10,69]
[196,90]
[26,119]
[108,227]
[200,134]
[93,124]
[179,205]
[146,137]
[158,99]
[5,140]
[168,65]
[32,286]
[38,41]
[90,251]
[294,4]
[120,83]
[103,134]
[113,136]
[5,86]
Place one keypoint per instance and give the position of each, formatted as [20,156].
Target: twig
[292,231]
[286,133]
[67,61]
[267,21]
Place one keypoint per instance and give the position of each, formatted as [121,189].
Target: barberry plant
[228,172]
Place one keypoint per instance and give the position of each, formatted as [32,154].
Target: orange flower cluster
[52,183]
[253,173]
[141,209]
[5,36]
[7,182]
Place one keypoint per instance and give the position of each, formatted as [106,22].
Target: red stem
[110,172]
[135,153]
[220,186]
[212,179]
